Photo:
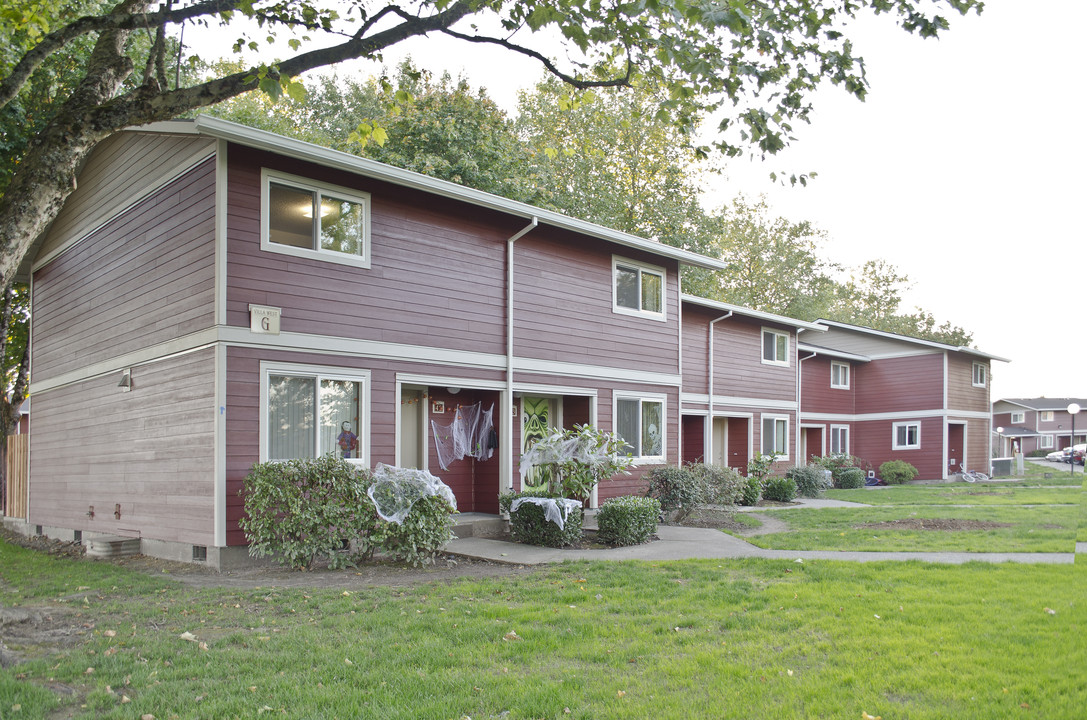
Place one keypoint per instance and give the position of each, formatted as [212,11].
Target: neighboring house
[750,359]
[882,396]
[212,296]
[1036,424]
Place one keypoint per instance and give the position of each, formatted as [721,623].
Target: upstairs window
[775,348]
[981,373]
[839,375]
[638,289]
[307,218]
[1018,418]
[1046,416]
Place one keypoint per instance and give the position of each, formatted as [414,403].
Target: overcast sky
[964,168]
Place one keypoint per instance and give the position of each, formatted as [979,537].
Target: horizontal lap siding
[978,444]
[695,350]
[146,277]
[563,306]
[900,384]
[243,413]
[738,369]
[961,393]
[150,449]
[437,275]
[817,396]
[873,441]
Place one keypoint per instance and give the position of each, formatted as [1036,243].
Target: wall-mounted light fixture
[126,380]
[452,390]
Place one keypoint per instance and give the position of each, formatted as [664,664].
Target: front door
[720,441]
[539,417]
[956,454]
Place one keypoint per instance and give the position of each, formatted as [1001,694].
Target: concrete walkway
[682,543]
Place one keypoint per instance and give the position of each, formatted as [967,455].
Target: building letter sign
[264,320]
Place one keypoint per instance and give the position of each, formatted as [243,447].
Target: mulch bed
[942,524]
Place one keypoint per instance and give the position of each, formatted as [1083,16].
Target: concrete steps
[466,525]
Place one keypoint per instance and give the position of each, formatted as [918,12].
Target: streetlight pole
[1073,408]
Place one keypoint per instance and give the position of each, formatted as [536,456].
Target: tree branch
[117,19]
[546,62]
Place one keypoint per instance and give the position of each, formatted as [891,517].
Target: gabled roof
[748,312]
[300,150]
[912,340]
[831,352]
[1018,431]
[1042,403]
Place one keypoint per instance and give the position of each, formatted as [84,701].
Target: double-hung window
[775,436]
[309,412]
[1047,442]
[639,421]
[839,375]
[1019,418]
[1046,416]
[309,218]
[839,439]
[980,373]
[637,289]
[907,436]
[775,347]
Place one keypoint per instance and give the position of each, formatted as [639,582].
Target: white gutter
[507,411]
[709,405]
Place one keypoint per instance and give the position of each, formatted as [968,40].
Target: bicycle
[972,475]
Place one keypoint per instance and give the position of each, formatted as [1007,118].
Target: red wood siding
[149,450]
[961,393]
[738,370]
[437,274]
[874,439]
[145,277]
[817,396]
[695,350]
[563,306]
[900,384]
[694,438]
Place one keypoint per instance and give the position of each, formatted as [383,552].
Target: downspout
[507,414]
[708,457]
[799,384]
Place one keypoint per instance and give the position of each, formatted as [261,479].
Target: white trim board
[744,402]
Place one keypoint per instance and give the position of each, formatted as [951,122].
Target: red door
[956,454]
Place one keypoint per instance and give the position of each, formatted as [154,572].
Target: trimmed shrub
[779,489]
[896,472]
[850,479]
[677,489]
[505,500]
[627,520]
[811,480]
[751,491]
[837,464]
[721,485]
[529,525]
[421,536]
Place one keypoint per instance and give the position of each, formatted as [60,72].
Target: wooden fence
[18,470]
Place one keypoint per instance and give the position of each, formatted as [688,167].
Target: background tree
[760,61]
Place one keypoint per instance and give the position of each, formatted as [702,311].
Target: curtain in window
[651,292]
[292,403]
[652,429]
[339,405]
[626,424]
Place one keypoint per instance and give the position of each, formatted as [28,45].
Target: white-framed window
[640,422]
[839,375]
[312,219]
[907,436]
[775,347]
[1046,416]
[1019,417]
[638,288]
[839,439]
[310,411]
[1046,442]
[775,436]
[980,374]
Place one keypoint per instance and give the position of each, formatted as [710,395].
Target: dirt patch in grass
[721,520]
[27,632]
[938,524]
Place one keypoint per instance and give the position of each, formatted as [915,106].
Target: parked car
[1056,456]
[1078,452]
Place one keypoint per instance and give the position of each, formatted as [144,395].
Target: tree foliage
[759,63]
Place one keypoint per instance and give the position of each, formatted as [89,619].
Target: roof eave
[749,312]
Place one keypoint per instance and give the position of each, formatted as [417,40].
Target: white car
[1055,456]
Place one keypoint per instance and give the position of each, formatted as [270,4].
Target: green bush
[505,500]
[529,525]
[721,485]
[779,489]
[751,491]
[677,489]
[1032,453]
[299,510]
[850,479]
[811,480]
[627,520]
[896,472]
[837,464]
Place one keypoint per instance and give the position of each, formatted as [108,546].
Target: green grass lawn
[1048,474]
[695,639]
[959,494]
